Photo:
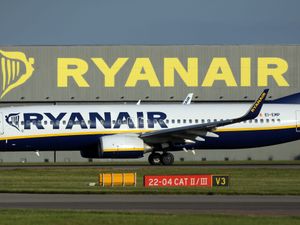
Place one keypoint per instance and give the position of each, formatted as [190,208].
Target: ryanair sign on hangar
[125,73]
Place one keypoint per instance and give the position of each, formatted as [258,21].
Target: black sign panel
[220,181]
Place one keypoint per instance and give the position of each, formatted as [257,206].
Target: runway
[264,205]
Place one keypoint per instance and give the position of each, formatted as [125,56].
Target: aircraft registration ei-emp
[130,131]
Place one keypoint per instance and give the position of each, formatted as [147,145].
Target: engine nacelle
[118,146]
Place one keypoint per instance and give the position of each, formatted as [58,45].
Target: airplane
[131,130]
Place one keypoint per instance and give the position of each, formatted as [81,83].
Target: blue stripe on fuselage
[226,140]
[247,139]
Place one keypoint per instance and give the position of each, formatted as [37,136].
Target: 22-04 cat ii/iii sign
[191,180]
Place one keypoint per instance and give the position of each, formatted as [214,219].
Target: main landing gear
[157,159]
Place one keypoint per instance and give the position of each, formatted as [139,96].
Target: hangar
[89,74]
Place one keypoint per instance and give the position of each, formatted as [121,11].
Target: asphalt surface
[144,165]
[263,205]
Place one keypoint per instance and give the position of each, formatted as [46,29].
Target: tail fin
[188,99]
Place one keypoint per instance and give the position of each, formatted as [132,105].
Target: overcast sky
[61,22]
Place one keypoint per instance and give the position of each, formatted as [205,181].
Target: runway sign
[117,179]
[195,180]
[220,180]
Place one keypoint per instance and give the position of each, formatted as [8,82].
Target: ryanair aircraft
[130,131]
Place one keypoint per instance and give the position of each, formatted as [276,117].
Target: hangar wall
[150,73]
[41,74]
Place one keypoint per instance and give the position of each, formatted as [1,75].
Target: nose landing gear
[157,159]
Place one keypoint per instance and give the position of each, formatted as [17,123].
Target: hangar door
[298,121]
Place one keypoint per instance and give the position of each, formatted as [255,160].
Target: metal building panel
[42,84]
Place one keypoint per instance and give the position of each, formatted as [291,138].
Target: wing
[198,131]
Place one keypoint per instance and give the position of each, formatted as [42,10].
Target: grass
[263,181]
[45,217]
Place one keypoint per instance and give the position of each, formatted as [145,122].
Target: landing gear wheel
[154,159]
[167,159]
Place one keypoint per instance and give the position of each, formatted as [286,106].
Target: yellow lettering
[245,72]
[189,76]
[219,69]
[109,72]
[271,67]
[64,71]
[223,181]
[142,70]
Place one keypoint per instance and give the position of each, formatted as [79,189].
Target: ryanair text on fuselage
[94,121]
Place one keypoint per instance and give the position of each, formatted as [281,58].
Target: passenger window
[262,120]
[208,120]
[196,120]
[250,121]
[202,121]
[113,121]
[190,121]
[273,120]
[64,122]
[184,120]
[22,122]
[173,121]
[178,121]
[256,120]
[267,120]
[45,122]
[167,121]
[278,120]
[215,120]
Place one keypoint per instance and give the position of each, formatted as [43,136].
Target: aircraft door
[297,121]
[1,124]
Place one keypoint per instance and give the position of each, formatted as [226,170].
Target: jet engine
[117,146]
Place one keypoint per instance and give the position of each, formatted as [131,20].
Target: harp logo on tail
[15,70]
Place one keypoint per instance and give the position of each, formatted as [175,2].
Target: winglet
[256,107]
[188,99]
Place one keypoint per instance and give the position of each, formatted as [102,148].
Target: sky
[152,22]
